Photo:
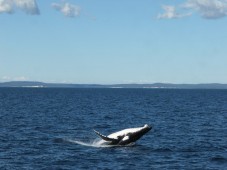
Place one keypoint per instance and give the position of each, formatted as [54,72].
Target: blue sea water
[43,128]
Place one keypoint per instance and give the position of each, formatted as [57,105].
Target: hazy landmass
[153,86]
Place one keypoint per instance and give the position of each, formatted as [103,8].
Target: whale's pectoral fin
[105,137]
[125,140]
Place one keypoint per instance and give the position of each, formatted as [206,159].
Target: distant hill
[154,85]
[175,86]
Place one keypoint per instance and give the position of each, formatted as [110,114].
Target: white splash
[97,143]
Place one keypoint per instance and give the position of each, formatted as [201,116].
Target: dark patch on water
[162,150]
[219,159]
[59,140]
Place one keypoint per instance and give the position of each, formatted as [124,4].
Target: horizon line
[136,83]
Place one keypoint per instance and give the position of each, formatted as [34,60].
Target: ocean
[52,128]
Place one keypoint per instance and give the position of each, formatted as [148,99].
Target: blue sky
[113,41]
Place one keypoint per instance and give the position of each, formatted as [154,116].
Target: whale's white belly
[124,132]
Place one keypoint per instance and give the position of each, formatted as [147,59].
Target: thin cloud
[208,9]
[6,6]
[6,78]
[20,78]
[28,6]
[67,9]
[171,13]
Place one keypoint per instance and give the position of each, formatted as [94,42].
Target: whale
[124,137]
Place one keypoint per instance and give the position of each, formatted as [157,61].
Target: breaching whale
[124,137]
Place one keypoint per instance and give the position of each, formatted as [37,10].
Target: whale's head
[146,128]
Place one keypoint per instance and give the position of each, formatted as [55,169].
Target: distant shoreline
[34,84]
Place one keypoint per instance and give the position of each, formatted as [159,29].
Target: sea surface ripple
[44,128]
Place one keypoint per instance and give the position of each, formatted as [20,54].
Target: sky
[113,41]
